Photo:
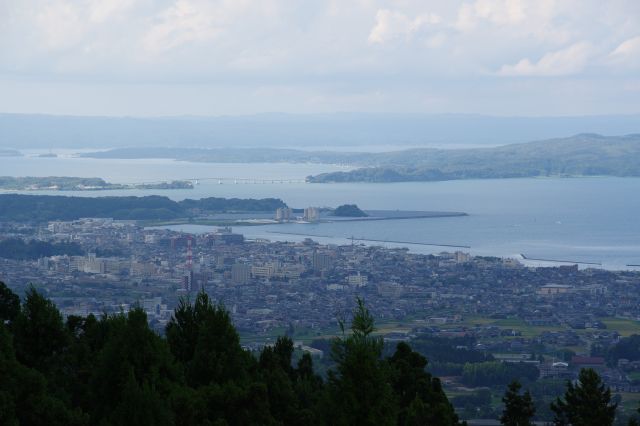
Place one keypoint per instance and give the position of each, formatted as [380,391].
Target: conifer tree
[9,303]
[202,337]
[24,397]
[420,397]
[359,389]
[134,374]
[633,421]
[587,403]
[39,333]
[518,408]
[116,370]
[227,387]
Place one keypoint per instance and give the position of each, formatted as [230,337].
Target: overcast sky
[206,57]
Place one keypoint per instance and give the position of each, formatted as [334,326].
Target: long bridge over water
[224,180]
[245,180]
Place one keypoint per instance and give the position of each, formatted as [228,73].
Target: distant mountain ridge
[585,154]
[29,131]
[579,155]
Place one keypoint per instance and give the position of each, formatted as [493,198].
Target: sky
[236,57]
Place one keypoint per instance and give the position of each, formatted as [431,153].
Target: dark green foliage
[202,337]
[580,155]
[68,183]
[225,378]
[446,368]
[24,398]
[115,370]
[309,390]
[627,347]
[44,207]
[39,334]
[349,210]
[544,392]
[477,398]
[360,392]
[213,204]
[518,408]
[293,392]
[62,183]
[134,373]
[365,389]
[420,396]
[17,207]
[495,373]
[275,365]
[633,421]
[17,248]
[9,304]
[587,403]
[451,350]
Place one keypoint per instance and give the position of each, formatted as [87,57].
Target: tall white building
[311,214]
[284,214]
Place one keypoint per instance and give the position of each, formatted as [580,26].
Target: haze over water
[576,219]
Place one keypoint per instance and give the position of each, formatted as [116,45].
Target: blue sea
[573,219]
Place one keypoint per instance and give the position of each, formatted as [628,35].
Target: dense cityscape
[331,213]
[558,319]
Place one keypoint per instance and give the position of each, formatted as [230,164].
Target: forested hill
[18,207]
[580,155]
[114,370]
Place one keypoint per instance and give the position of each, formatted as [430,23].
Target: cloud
[103,10]
[61,25]
[500,12]
[183,22]
[627,54]
[570,60]
[393,24]
[322,47]
[549,21]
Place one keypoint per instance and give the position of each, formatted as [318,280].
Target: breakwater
[561,261]
[372,240]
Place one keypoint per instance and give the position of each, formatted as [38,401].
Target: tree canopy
[518,408]
[586,403]
[114,370]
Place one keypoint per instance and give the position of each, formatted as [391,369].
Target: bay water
[574,219]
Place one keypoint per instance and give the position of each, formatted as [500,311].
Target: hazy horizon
[303,131]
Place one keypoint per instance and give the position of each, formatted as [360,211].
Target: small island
[175,184]
[55,183]
[349,210]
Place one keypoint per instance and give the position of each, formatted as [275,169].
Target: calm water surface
[580,219]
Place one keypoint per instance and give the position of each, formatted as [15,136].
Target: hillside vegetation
[17,207]
[114,370]
[349,210]
[581,155]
